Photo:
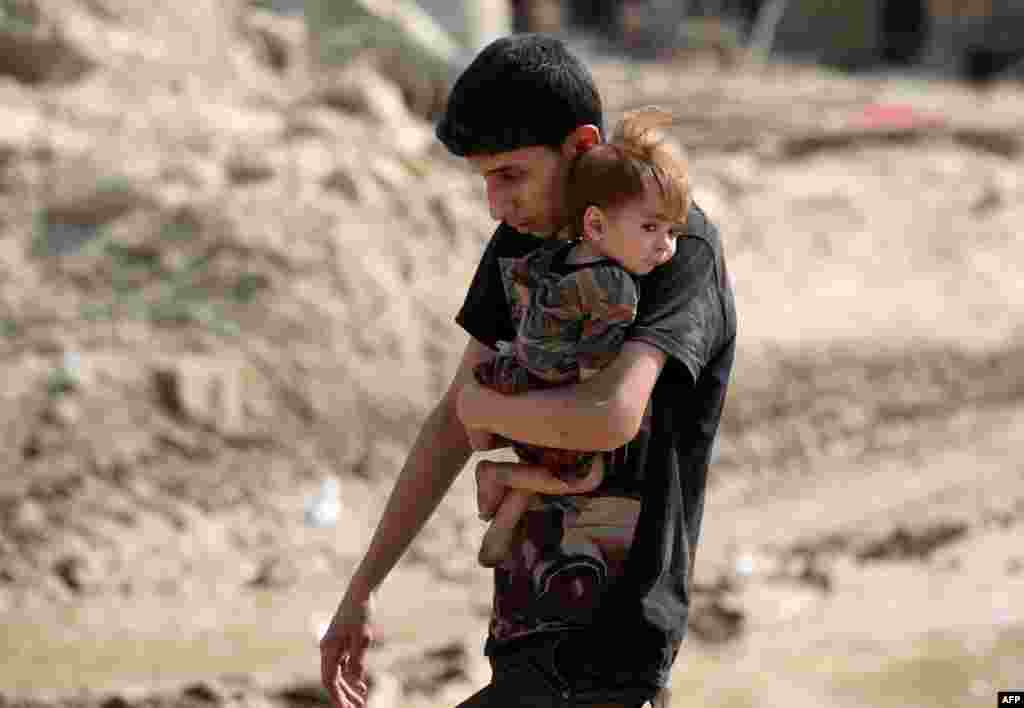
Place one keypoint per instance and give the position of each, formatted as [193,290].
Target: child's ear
[593,223]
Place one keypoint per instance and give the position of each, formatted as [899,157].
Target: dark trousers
[537,675]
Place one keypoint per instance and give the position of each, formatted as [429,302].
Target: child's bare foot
[500,536]
[496,545]
[489,490]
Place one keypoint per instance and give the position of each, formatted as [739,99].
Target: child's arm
[602,412]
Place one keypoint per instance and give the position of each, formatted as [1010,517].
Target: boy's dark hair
[520,91]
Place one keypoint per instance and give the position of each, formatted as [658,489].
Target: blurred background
[231,251]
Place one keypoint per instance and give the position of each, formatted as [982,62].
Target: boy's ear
[581,139]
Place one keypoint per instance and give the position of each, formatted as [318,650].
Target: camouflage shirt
[571,320]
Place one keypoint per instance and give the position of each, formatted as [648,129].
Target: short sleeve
[680,310]
[485,312]
[608,305]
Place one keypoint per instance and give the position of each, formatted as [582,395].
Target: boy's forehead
[521,158]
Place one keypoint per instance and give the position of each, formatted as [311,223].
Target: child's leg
[509,487]
[530,478]
[489,489]
[498,539]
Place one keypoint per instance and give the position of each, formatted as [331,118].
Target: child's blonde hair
[610,174]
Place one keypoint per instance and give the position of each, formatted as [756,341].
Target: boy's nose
[499,203]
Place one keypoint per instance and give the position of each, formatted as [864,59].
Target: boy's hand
[342,649]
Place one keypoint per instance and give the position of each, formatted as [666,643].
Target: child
[573,300]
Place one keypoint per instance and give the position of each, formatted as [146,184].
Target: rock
[280,42]
[355,186]
[990,199]
[384,460]
[904,543]
[430,671]
[392,175]
[404,42]
[305,694]
[34,50]
[64,412]
[359,88]
[116,701]
[116,446]
[204,692]
[475,23]
[28,519]
[245,165]
[86,195]
[17,423]
[717,621]
[309,161]
[461,217]
[20,126]
[282,229]
[75,572]
[215,393]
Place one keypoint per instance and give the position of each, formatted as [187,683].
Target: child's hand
[480,439]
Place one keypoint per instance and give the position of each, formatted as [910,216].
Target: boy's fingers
[354,666]
[330,656]
[353,694]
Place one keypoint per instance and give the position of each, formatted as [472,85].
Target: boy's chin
[525,227]
[535,228]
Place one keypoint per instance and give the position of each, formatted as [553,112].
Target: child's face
[637,234]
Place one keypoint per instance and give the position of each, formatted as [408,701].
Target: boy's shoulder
[509,243]
[699,226]
[537,260]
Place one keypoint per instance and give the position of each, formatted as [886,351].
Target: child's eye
[650,228]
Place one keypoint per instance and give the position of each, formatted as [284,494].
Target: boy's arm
[438,455]
[602,413]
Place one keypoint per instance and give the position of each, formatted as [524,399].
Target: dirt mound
[207,269]
[224,280]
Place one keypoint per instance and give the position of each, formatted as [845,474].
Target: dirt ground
[862,545]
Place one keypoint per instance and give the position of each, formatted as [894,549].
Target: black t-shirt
[613,567]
